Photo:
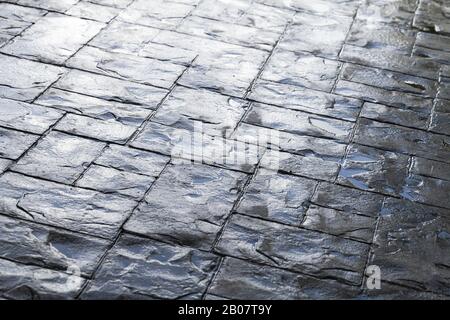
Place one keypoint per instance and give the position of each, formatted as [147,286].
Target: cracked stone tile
[301,69]
[395,12]
[132,160]
[427,190]
[88,10]
[431,168]
[11,11]
[348,199]
[288,142]
[189,109]
[322,36]
[275,197]
[105,130]
[409,117]
[340,223]
[389,80]
[111,89]
[24,282]
[123,37]
[24,80]
[310,165]
[111,180]
[121,4]
[54,5]
[152,270]
[401,139]
[4,163]
[45,41]
[433,15]
[319,7]
[126,67]
[433,46]
[59,157]
[295,249]
[393,292]
[14,143]
[10,28]
[58,205]
[159,14]
[303,99]
[298,122]
[187,205]
[411,246]
[383,96]
[382,37]
[93,107]
[374,170]
[49,247]
[27,117]
[196,147]
[389,60]
[246,13]
[228,32]
[239,279]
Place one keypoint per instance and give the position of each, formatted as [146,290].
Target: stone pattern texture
[99,201]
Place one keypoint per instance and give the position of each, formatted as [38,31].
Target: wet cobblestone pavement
[97,201]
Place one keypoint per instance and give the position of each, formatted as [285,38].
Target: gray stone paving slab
[89,10]
[54,5]
[14,143]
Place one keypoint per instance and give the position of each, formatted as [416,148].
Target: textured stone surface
[440,118]
[14,143]
[432,15]
[151,270]
[4,163]
[89,10]
[296,249]
[55,5]
[59,157]
[63,206]
[187,205]
[44,41]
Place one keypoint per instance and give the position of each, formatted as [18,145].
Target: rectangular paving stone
[227,32]
[111,180]
[88,10]
[303,99]
[394,292]
[43,40]
[19,13]
[190,109]
[123,37]
[394,12]
[301,69]
[319,35]
[374,170]
[58,205]
[14,143]
[151,270]
[319,7]
[298,122]
[433,46]
[59,157]
[93,107]
[238,279]
[295,249]
[54,5]
[401,139]
[275,197]
[390,60]
[310,166]
[444,88]
[27,117]
[348,199]
[104,130]
[48,247]
[159,14]
[340,223]
[431,168]
[24,80]
[132,160]
[382,96]
[288,142]
[121,4]
[111,89]
[10,28]
[22,282]
[389,80]
[411,246]
[432,15]
[408,117]
[199,148]
[126,67]
[187,205]
[427,190]
[4,163]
